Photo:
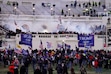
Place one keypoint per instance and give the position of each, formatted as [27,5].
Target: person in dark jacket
[37,70]
[5,60]
[26,64]
[50,69]
[9,72]
[64,69]
[44,69]
[22,69]
[100,65]
[59,69]
[34,62]
[15,70]
[83,70]
[72,70]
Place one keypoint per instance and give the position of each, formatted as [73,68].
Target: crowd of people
[73,4]
[87,4]
[59,60]
[90,6]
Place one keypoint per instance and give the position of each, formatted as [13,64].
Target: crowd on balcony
[98,30]
[60,32]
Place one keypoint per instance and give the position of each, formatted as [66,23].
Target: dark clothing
[106,64]
[44,70]
[9,72]
[26,63]
[83,70]
[59,69]
[33,63]
[64,70]
[72,71]
[5,60]
[50,70]
[100,63]
[22,70]
[16,71]
[37,71]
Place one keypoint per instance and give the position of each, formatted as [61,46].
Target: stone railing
[35,17]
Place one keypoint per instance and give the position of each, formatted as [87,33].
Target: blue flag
[49,44]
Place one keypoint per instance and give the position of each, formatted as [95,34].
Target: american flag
[17,51]
[49,44]
[41,44]
[25,52]
[59,45]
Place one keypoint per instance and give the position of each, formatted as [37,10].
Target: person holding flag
[41,45]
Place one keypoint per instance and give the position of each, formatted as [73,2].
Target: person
[26,64]
[64,69]
[11,68]
[50,69]
[5,60]
[75,4]
[15,70]
[16,64]
[34,62]
[72,70]
[62,12]
[22,69]
[83,70]
[59,68]
[9,72]
[109,63]
[44,69]
[100,64]
[96,65]
[37,70]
